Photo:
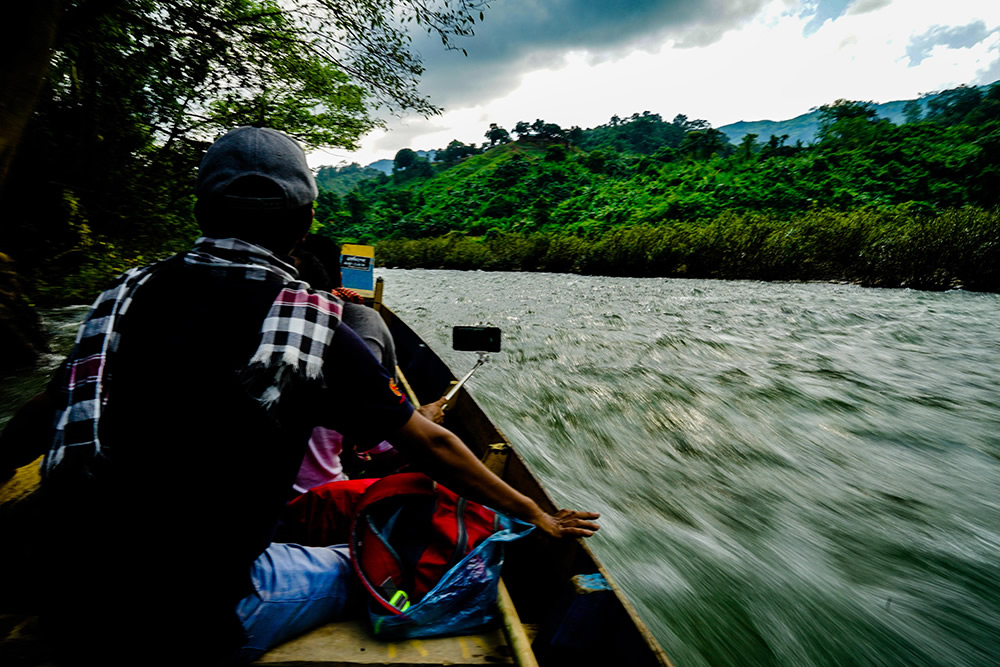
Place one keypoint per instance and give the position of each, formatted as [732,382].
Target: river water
[788,474]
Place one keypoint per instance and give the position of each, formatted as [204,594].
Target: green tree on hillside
[357,207]
[703,144]
[497,135]
[951,107]
[328,205]
[913,111]
[846,120]
[748,146]
[456,150]
[684,123]
[408,165]
[776,147]
[405,157]
[643,133]
[343,179]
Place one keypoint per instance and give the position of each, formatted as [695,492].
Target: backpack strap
[378,566]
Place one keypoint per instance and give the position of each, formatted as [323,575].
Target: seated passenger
[318,262]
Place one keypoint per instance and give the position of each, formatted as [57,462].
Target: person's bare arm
[442,455]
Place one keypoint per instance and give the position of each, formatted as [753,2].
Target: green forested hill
[871,201]
[341,180]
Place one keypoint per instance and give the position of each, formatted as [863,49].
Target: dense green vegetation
[341,180]
[135,90]
[870,201]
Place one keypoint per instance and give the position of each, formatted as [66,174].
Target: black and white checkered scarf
[294,337]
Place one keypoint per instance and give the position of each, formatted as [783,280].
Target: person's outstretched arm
[442,455]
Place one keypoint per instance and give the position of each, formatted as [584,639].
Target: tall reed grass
[897,247]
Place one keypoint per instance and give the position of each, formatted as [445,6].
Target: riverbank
[950,249]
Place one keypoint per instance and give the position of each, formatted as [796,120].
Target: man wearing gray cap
[182,415]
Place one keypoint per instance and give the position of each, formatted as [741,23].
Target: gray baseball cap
[256,168]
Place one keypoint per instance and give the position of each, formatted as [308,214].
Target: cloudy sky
[578,62]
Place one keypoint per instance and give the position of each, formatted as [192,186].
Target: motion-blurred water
[788,474]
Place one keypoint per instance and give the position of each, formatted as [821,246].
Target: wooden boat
[559,604]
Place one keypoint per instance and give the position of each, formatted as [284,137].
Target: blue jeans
[297,588]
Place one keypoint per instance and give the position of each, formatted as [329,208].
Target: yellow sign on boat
[357,268]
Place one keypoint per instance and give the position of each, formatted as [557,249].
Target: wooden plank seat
[350,643]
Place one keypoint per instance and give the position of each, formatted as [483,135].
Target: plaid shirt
[295,335]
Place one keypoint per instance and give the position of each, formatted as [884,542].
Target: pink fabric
[379,448]
[321,464]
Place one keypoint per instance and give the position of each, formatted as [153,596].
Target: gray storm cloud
[952,37]
[518,36]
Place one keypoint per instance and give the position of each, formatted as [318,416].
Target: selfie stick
[483,356]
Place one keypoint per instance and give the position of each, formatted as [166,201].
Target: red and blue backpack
[429,559]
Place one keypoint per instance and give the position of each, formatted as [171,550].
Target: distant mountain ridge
[804,128]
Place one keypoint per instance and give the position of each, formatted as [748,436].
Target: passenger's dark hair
[327,251]
[311,270]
